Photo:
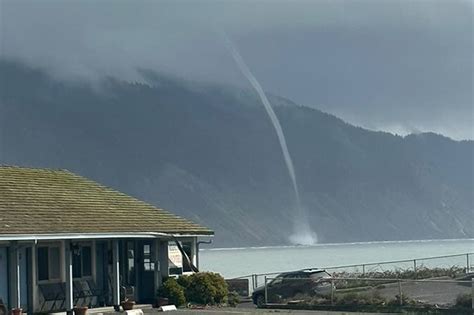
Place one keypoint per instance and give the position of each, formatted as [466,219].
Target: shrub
[463,301]
[362,298]
[184,282]
[173,291]
[233,299]
[206,288]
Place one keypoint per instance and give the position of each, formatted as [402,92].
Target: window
[49,263]
[43,264]
[82,261]
[320,275]
[148,263]
[86,261]
[54,263]
[130,263]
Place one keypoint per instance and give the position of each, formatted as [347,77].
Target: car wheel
[260,300]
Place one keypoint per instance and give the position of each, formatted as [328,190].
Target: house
[66,240]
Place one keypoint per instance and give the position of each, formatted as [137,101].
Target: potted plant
[17,311]
[127,305]
[80,310]
[3,309]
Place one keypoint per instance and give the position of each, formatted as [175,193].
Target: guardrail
[415,265]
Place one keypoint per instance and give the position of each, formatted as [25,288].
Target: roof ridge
[33,168]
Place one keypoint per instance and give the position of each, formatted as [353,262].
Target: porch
[54,274]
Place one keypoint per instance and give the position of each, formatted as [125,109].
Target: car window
[319,275]
[277,280]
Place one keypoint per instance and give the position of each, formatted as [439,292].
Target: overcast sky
[401,66]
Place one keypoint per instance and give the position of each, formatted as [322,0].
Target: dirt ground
[427,292]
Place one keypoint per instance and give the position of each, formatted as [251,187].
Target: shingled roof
[43,201]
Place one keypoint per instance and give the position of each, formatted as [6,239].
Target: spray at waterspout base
[303,235]
[306,238]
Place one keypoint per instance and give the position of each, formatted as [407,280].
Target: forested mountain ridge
[210,153]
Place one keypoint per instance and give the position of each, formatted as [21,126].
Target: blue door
[146,268]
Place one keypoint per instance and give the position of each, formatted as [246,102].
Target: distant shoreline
[336,244]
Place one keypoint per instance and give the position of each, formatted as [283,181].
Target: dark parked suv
[289,284]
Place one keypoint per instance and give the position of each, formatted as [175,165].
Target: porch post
[15,301]
[69,277]
[33,276]
[116,277]
[163,258]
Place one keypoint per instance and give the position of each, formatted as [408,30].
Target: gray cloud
[391,65]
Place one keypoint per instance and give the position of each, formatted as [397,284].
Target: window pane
[42,263]
[54,272]
[86,261]
[131,263]
[76,264]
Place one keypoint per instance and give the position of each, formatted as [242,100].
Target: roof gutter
[88,236]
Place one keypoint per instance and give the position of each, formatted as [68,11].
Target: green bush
[206,288]
[184,282]
[463,301]
[173,291]
[233,299]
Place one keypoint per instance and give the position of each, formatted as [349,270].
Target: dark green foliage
[183,281]
[463,301]
[353,298]
[206,288]
[173,291]
[233,299]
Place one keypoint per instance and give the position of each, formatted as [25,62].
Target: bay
[236,262]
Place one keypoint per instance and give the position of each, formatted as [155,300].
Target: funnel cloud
[302,231]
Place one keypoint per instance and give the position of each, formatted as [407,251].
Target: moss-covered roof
[43,201]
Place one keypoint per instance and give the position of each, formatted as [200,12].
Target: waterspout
[302,233]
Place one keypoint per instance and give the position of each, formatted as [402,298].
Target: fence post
[332,291]
[414,267]
[256,281]
[266,291]
[363,270]
[468,265]
[400,293]
[472,293]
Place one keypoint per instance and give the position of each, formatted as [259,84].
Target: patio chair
[52,292]
[96,292]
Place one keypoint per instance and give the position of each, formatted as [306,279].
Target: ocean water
[236,262]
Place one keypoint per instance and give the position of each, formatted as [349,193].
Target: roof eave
[89,236]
